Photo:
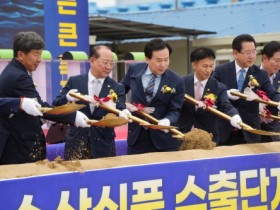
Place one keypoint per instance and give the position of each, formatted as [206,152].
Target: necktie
[240,80]
[150,88]
[198,90]
[94,90]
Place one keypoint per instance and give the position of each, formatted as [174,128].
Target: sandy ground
[58,166]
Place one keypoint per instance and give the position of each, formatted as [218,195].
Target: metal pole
[176,4]
[189,67]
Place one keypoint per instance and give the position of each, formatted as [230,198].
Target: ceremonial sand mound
[58,166]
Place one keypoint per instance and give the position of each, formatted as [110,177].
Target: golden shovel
[109,120]
[177,133]
[116,111]
[64,109]
[190,140]
[228,118]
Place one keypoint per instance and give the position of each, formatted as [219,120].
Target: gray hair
[27,41]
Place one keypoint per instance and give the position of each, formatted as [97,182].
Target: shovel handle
[44,109]
[215,111]
[244,96]
[92,121]
[154,120]
[131,117]
[110,109]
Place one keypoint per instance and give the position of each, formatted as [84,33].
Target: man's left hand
[164,122]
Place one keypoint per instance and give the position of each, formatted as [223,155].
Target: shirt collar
[238,68]
[272,76]
[203,82]
[148,72]
[91,78]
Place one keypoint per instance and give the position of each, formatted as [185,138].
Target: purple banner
[241,182]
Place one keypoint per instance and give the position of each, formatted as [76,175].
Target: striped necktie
[149,90]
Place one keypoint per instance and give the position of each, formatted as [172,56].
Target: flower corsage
[167,89]
[253,82]
[210,99]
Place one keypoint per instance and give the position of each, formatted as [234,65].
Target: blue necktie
[240,80]
[149,90]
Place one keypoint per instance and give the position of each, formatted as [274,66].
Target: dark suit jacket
[201,118]
[274,125]
[99,139]
[9,105]
[248,110]
[167,105]
[23,138]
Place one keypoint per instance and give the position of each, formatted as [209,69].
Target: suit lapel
[232,74]
[84,84]
[105,88]
[251,71]
[189,86]
[84,88]
[140,88]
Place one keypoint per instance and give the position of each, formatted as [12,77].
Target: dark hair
[156,45]
[201,53]
[95,50]
[271,48]
[27,41]
[237,41]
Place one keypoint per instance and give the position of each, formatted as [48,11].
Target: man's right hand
[232,97]
[30,106]
[81,120]
[70,98]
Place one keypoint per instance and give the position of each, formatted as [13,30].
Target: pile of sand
[58,166]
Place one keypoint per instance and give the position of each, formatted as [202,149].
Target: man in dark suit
[203,60]
[236,75]
[271,64]
[22,138]
[93,142]
[152,84]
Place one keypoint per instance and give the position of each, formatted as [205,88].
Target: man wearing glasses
[93,142]
[236,76]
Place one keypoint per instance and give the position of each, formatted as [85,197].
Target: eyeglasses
[107,63]
[249,52]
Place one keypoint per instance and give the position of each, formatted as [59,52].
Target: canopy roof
[114,29]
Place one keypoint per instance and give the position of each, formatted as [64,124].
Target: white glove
[235,121]
[30,106]
[70,98]
[232,97]
[278,107]
[81,120]
[164,122]
[125,114]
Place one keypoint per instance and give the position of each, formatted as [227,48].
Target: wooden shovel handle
[244,96]
[154,120]
[44,109]
[110,109]
[215,111]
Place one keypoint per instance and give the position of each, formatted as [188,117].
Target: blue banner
[241,182]
[66,29]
